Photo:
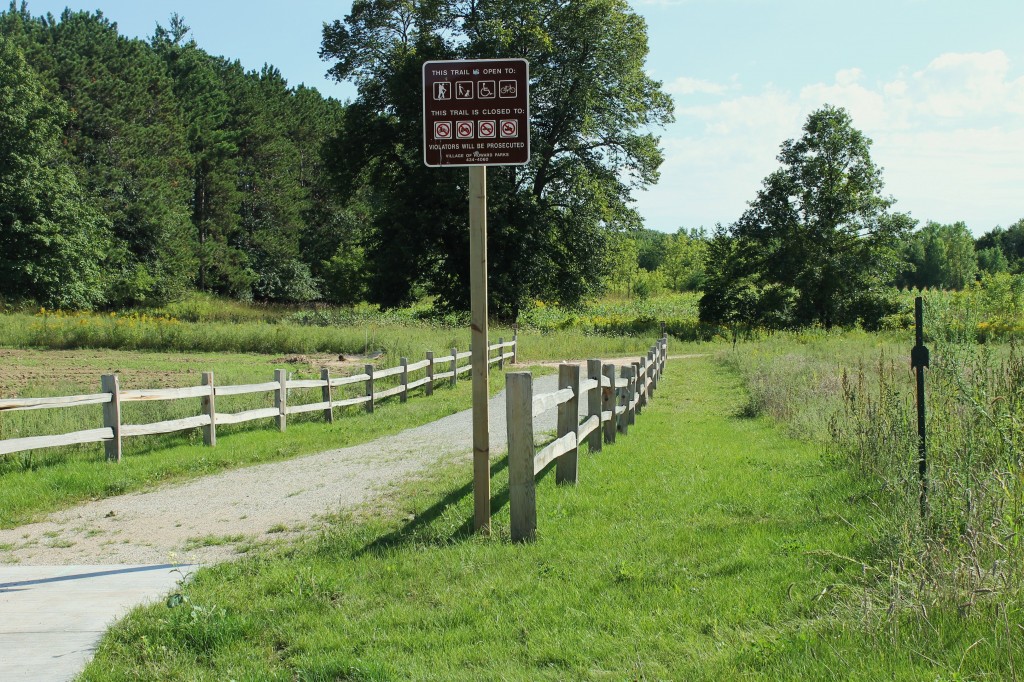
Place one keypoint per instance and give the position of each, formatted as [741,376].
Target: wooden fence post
[624,398]
[515,344]
[404,395]
[631,389]
[112,415]
[652,368]
[455,366]
[325,375]
[428,388]
[567,467]
[368,370]
[281,398]
[642,381]
[209,408]
[657,365]
[501,353]
[594,403]
[638,407]
[608,403]
[522,492]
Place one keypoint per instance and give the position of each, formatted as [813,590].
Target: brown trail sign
[476,113]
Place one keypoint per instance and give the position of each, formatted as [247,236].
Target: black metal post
[919,360]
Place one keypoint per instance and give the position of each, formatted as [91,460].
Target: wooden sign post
[476,113]
[478,323]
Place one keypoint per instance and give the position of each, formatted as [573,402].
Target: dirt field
[44,372]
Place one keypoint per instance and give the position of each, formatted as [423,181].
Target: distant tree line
[135,171]
[140,170]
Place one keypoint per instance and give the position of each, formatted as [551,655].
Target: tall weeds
[856,396]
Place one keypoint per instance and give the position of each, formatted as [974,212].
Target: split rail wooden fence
[113,397]
[614,396]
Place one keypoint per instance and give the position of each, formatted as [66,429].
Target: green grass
[697,547]
[212,541]
[134,331]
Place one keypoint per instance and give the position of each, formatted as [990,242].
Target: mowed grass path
[701,546]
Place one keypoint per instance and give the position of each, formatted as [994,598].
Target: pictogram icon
[464,90]
[485,129]
[507,89]
[464,130]
[443,130]
[485,90]
[510,128]
[442,90]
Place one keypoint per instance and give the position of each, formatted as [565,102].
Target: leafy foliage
[818,245]
[51,241]
[941,256]
[591,103]
[1010,244]
[684,263]
[207,176]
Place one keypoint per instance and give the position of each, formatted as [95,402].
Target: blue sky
[937,84]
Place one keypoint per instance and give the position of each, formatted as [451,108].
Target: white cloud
[849,76]
[955,85]
[950,137]
[690,86]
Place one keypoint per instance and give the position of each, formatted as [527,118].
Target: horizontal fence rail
[612,397]
[113,397]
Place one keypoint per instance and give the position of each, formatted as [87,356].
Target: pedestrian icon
[507,89]
[442,90]
[464,90]
[510,127]
[464,130]
[443,130]
[485,89]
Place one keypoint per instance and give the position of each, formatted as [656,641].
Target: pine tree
[127,137]
[51,241]
[214,203]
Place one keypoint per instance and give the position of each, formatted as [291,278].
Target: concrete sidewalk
[52,617]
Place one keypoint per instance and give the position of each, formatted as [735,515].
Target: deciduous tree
[940,256]
[593,106]
[821,228]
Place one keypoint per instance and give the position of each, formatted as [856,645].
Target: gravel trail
[208,519]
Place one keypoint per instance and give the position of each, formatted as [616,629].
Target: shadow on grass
[414,530]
